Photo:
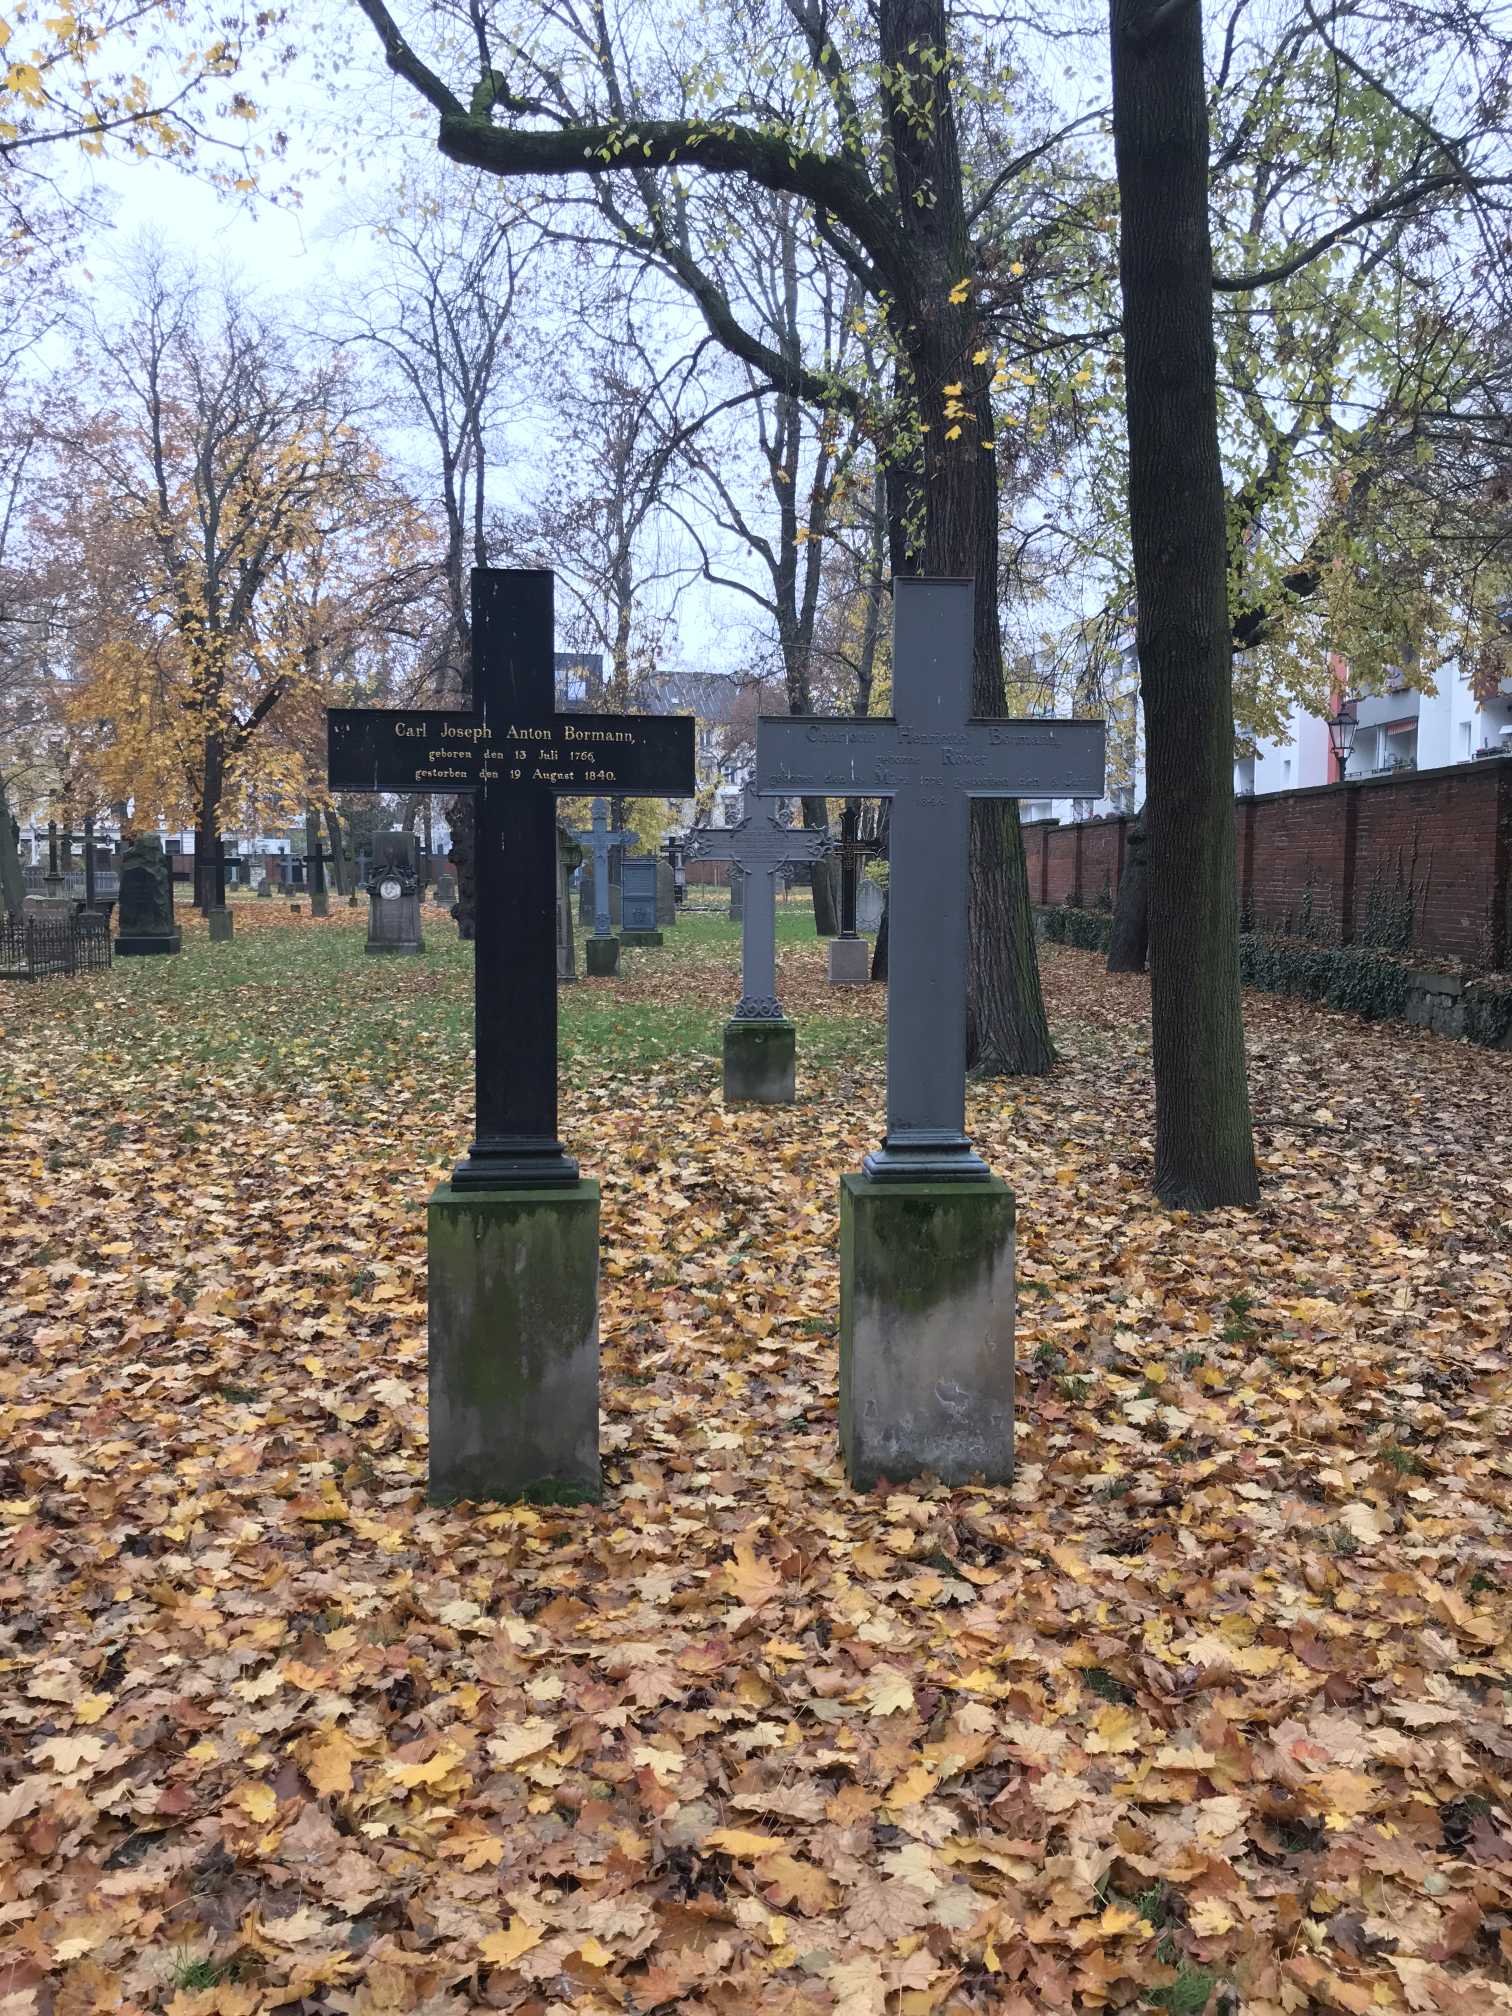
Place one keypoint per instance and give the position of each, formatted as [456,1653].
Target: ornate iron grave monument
[926,1230]
[760,1043]
[513,1237]
[601,840]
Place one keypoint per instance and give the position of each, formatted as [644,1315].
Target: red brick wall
[1341,862]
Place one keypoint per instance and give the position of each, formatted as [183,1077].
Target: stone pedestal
[320,903]
[514,1355]
[849,962]
[602,955]
[218,917]
[265,890]
[296,909]
[926,1330]
[640,938]
[148,944]
[760,1063]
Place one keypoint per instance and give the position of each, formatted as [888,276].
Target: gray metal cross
[931,758]
[758,846]
[601,839]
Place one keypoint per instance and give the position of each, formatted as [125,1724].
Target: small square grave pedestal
[760,1062]
[219,918]
[849,962]
[603,957]
[514,1354]
[926,1330]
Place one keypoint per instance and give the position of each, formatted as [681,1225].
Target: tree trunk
[879,950]
[823,885]
[1007,1033]
[12,881]
[341,861]
[459,816]
[1129,940]
[1204,1146]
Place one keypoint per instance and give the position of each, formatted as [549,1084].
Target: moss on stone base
[602,956]
[760,1063]
[926,1330]
[514,1344]
[640,938]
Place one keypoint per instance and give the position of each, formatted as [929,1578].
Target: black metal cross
[315,862]
[853,851]
[518,755]
[220,860]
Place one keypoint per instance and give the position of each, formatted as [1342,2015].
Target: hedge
[1359,979]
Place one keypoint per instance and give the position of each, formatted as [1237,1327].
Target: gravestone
[393,896]
[926,1230]
[513,1237]
[446,888]
[603,946]
[569,854]
[760,1043]
[849,953]
[638,900]
[666,894]
[868,905]
[144,906]
[737,896]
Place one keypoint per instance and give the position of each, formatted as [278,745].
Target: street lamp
[1341,734]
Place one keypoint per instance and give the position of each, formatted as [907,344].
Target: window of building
[1286,767]
[1466,732]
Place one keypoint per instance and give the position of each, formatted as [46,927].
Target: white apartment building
[1400,729]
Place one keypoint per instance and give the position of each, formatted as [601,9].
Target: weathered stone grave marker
[760,1043]
[393,896]
[601,839]
[144,908]
[926,1230]
[513,1237]
[638,925]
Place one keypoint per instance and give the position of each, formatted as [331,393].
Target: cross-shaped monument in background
[513,1245]
[926,1231]
[760,1044]
[603,946]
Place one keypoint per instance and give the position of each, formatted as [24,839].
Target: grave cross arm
[931,758]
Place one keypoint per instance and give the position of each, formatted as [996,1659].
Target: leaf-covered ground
[1209,1710]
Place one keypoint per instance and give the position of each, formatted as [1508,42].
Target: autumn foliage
[1206,1711]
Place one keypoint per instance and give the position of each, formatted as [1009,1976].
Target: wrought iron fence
[41,948]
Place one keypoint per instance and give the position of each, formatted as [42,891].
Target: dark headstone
[638,900]
[144,906]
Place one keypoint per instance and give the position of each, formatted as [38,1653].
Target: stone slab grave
[144,907]
[760,1043]
[394,896]
[601,839]
[666,894]
[926,1229]
[513,1237]
[638,925]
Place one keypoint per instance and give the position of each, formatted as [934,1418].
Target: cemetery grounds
[1208,1711]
